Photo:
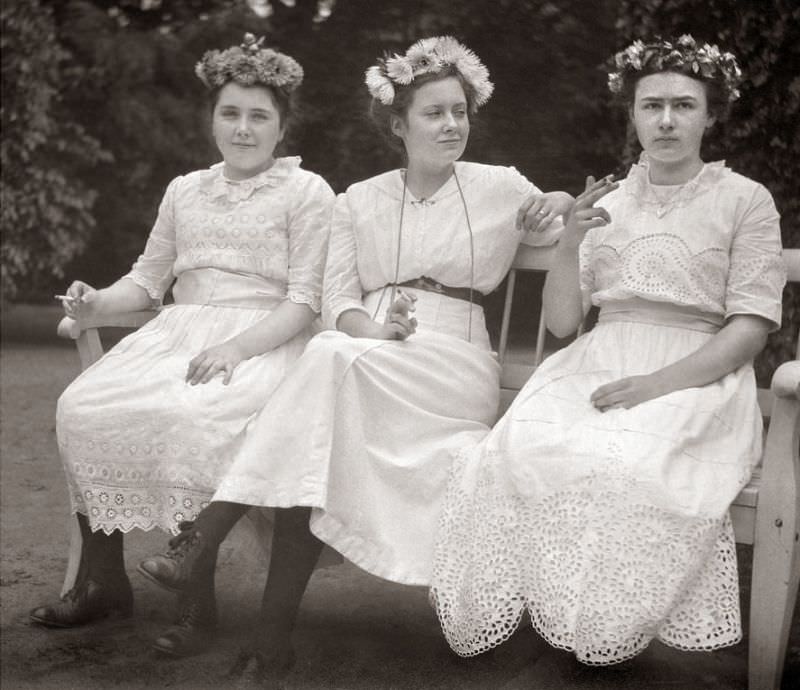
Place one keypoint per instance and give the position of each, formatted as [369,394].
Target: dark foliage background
[101,108]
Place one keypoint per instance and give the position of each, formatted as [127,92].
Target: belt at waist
[431,285]
[640,310]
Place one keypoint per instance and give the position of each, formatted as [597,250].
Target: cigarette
[406,296]
[65,298]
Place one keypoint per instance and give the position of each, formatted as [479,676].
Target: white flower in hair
[379,85]
[426,56]
[399,70]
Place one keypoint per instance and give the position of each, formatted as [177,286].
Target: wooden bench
[766,513]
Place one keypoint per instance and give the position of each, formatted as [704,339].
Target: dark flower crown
[684,55]
[249,64]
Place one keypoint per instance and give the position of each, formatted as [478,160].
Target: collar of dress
[638,185]
[217,185]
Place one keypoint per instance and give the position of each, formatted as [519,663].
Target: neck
[237,174]
[677,172]
[424,181]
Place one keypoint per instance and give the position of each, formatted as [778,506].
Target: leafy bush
[46,207]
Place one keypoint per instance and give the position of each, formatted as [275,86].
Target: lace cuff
[312,300]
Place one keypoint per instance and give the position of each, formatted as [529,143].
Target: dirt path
[355,631]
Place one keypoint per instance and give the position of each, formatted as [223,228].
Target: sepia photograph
[400,345]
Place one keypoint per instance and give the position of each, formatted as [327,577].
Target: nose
[242,128]
[666,118]
[450,122]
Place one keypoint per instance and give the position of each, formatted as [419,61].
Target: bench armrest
[786,380]
[71,328]
[85,331]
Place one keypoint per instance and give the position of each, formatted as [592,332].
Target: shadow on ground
[355,631]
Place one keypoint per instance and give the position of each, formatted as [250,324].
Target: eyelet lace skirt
[610,529]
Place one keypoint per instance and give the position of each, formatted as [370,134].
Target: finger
[546,221]
[525,207]
[401,321]
[396,332]
[193,365]
[228,368]
[200,372]
[400,307]
[534,212]
[211,372]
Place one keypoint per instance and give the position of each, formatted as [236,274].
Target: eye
[228,112]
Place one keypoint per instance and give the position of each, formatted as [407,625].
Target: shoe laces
[179,551]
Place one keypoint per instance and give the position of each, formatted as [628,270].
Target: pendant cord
[471,255]
[400,245]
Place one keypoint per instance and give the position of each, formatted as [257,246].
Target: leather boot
[102,588]
[194,629]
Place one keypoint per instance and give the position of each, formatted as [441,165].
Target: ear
[710,121]
[396,125]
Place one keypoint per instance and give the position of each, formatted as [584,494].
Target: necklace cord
[400,244]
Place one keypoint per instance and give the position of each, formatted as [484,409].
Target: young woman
[599,502]
[363,429]
[146,434]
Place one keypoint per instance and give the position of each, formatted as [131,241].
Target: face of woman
[247,128]
[670,113]
[436,126]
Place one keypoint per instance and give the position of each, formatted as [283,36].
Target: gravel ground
[355,631]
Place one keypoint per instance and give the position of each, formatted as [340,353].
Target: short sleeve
[153,269]
[757,274]
[308,241]
[342,286]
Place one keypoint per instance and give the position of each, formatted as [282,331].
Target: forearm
[122,296]
[285,322]
[562,298]
[737,343]
[358,325]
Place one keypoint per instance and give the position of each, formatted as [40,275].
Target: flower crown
[684,55]
[428,56]
[249,64]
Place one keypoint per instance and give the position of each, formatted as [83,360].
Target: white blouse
[273,225]
[435,238]
[712,244]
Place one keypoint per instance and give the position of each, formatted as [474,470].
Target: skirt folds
[141,447]
[610,529]
[365,431]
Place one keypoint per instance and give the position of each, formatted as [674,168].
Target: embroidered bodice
[435,238]
[712,244]
[271,226]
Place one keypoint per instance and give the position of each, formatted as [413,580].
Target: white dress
[364,430]
[612,528]
[142,448]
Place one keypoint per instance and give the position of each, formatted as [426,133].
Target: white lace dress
[365,430]
[612,528]
[142,448]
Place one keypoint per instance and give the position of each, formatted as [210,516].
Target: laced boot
[102,588]
[196,545]
[194,629]
[173,570]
